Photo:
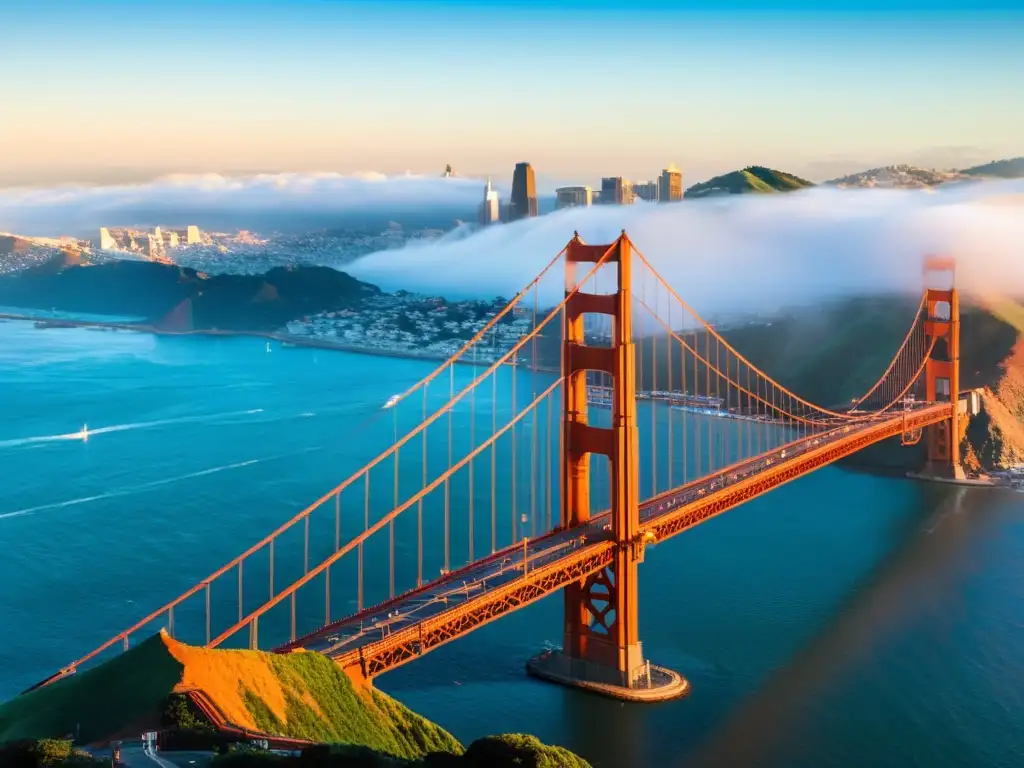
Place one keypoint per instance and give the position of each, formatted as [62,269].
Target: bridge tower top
[942,370]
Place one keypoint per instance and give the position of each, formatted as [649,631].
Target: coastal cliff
[996,435]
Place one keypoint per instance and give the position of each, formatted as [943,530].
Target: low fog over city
[727,253]
[754,251]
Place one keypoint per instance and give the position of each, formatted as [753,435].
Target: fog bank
[284,200]
[746,252]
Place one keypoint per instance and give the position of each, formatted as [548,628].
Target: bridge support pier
[601,650]
[942,370]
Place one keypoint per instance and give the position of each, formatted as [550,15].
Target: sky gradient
[107,90]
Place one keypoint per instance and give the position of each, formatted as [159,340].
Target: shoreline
[284,338]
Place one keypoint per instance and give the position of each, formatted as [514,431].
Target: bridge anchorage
[601,649]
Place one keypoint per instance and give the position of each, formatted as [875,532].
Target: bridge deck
[385,636]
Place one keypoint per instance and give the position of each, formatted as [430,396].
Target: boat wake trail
[144,486]
[18,442]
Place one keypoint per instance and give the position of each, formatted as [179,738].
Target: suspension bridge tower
[942,369]
[601,649]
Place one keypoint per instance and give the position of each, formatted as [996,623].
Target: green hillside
[754,178]
[1000,169]
[297,695]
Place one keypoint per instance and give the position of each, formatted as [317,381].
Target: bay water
[842,620]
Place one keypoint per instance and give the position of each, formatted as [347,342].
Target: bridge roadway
[385,636]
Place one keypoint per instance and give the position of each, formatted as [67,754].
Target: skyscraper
[524,193]
[489,209]
[646,190]
[670,185]
[570,197]
[616,190]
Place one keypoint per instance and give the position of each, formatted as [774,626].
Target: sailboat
[268,346]
[85,433]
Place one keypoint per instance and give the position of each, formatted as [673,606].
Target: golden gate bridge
[510,496]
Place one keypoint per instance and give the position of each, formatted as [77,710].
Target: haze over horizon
[226,87]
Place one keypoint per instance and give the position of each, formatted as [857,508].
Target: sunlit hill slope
[302,696]
[754,178]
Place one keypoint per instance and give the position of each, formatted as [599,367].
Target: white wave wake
[15,443]
[127,491]
[131,489]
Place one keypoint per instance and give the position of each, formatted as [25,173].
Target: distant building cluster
[252,254]
[19,253]
[614,190]
[411,325]
[153,245]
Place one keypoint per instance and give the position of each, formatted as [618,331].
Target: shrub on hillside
[517,750]
[44,753]
[180,713]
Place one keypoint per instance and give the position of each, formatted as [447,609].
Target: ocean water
[843,620]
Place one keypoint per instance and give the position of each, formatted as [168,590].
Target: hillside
[298,695]
[151,290]
[1000,169]
[898,177]
[754,178]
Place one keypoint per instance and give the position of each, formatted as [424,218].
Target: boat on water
[268,346]
[392,401]
[84,434]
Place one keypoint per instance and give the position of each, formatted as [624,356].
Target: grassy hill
[1000,169]
[298,695]
[754,178]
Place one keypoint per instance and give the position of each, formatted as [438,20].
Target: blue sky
[104,90]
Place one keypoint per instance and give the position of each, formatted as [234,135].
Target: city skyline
[266,87]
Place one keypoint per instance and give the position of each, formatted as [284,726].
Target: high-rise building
[489,209]
[646,190]
[571,197]
[524,193]
[193,235]
[670,185]
[616,190]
